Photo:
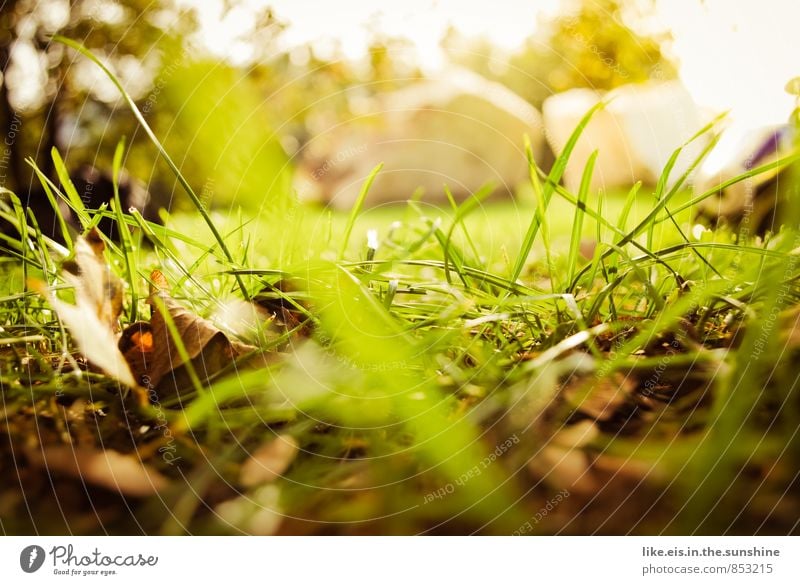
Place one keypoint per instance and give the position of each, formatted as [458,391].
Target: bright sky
[734,54]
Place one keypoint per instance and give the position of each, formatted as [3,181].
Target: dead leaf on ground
[269,461]
[93,319]
[112,470]
[153,354]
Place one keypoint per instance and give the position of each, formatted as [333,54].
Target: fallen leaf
[112,470]
[93,319]
[153,355]
[95,283]
[269,461]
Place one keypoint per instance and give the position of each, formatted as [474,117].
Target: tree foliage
[595,46]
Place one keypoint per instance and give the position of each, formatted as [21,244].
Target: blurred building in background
[255,99]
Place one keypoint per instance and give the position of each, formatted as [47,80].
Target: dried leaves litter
[93,321]
[147,355]
[152,349]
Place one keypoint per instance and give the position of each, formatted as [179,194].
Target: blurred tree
[215,122]
[56,100]
[593,44]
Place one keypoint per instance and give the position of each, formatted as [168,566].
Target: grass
[484,362]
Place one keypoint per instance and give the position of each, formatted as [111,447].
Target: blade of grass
[622,222]
[161,245]
[22,227]
[72,197]
[651,217]
[465,209]
[547,191]
[661,188]
[186,359]
[362,195]
[124,234]
[577,222]
[62,224]
[162,151]
[778,163]
[541,210]
[461,212]
[662,203]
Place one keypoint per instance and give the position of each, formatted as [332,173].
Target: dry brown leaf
[91,275]
[269,461]
[112,470]
[153,355]
[93,319]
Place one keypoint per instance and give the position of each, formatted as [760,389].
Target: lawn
[572,363]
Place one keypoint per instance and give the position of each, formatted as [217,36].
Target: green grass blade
[186,359]
[776,164]
[46,185]
[362,195]
[662,203]
[124,233]
[652,216]
[161,150]
[661,188]
[541,209]
[547,190]
[22,228]
[72,197]
[577,223]
[622,221]
[461,212]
